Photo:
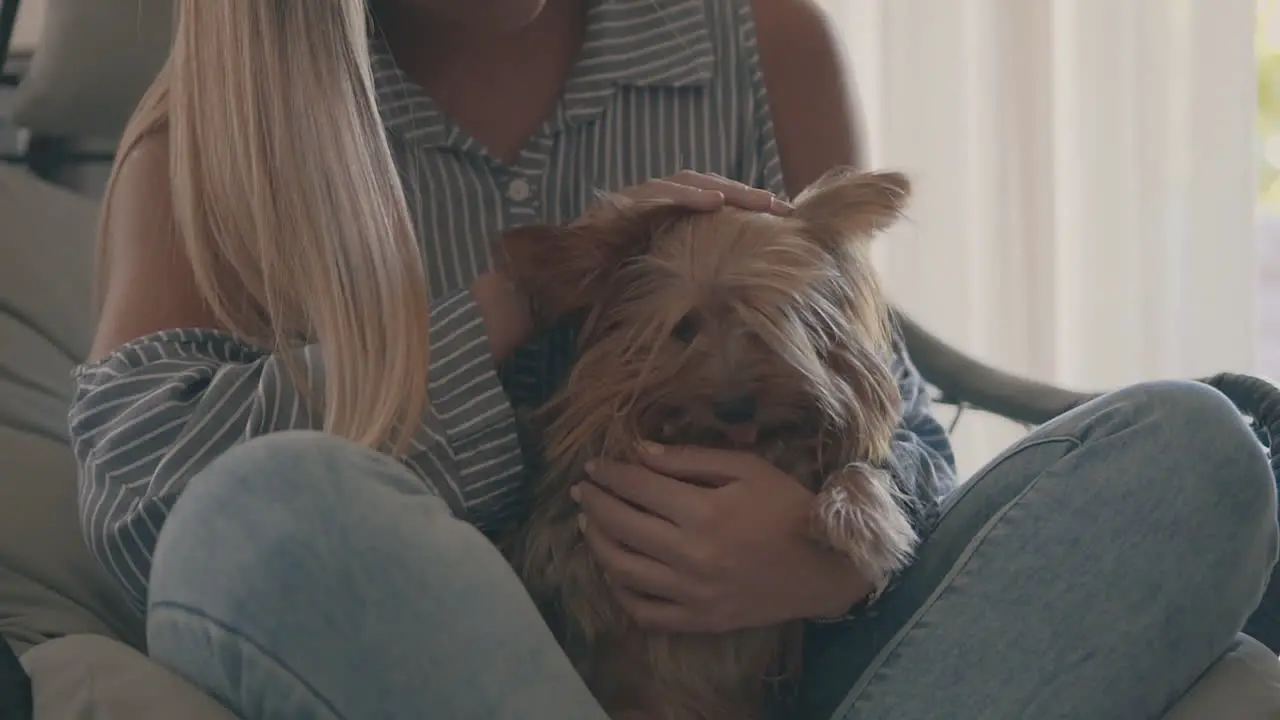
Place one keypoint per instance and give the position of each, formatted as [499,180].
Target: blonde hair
[288,203]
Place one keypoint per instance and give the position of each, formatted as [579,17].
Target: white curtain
[1085,175]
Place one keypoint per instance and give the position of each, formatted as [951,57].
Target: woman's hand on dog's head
[702,540]
[554,271]
[702,191]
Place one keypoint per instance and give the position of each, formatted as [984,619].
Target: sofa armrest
[1243,685]
[86,676]
[49,583]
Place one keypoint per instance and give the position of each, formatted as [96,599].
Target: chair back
[93,61]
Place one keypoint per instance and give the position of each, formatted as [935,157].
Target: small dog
[729,329]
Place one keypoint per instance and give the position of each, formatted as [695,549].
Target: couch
[79,641]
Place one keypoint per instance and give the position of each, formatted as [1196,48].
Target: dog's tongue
[742,434]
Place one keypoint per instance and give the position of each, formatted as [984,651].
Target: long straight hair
[288,203]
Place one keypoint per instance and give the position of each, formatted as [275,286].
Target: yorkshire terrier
[729,329]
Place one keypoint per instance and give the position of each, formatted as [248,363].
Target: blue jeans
[1094,570]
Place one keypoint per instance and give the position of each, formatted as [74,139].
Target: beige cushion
[94,678]
[49,584]
[1244,685]
[45,277]
[94,60]
[33,381]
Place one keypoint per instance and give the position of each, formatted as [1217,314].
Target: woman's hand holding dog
[702,540]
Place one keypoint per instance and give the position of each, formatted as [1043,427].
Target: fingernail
[781,207]
[591,466]
[651,448]
[575,493]
[582,523]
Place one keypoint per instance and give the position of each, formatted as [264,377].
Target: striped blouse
[660,86]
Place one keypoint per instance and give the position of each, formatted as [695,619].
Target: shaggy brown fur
[726,329]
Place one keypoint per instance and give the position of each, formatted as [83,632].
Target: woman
[272,188]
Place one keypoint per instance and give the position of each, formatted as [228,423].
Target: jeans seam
[960,493]
[265,653]
[864,681]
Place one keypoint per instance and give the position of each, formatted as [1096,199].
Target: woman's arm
[808,121]
[923,463]
[157,404]
[807,111]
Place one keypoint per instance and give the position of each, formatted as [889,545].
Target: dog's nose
[735,410]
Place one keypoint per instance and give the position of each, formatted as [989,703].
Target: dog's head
[728,329]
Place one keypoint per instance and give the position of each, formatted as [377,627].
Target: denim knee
[301,575]
[1203,430]
[267,509]
[1216,478]
[292,467]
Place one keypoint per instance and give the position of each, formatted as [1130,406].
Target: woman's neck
[498,86]
[428,46]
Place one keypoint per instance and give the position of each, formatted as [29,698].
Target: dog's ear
[566,268]
[848,205]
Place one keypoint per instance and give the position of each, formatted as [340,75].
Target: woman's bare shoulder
[817,122]
[148,281]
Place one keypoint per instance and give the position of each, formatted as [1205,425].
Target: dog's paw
[858,514]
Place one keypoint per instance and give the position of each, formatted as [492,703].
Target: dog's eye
[686,329]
